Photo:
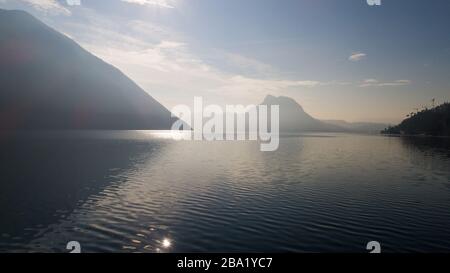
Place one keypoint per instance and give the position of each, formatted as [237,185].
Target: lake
[143,191]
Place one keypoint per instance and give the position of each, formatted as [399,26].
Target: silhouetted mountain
[434,122]
[50,82]
[361,127]
[294,119]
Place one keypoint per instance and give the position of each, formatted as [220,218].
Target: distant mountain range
[294,119]
[50,82]
[432,122]
[362,127]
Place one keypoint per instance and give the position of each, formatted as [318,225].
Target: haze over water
[141,191]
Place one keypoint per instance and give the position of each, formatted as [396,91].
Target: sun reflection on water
[168,134]
[166,243]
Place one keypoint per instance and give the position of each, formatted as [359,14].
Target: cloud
[357,56]
[170,44]
[73,2]
[48,6]
[370,81]
[162,69]
[376,83]
[161,61]
[245,64]
[396,83]
[154,3]
[305,83]
[170,66]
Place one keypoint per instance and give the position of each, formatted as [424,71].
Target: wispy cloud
[357,56]
[162,61]
[48,6]
[154,3]
[396,83]
[174,69]
[73,2]
[376,83]
[244,63]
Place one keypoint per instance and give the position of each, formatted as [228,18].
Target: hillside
[433,122]
[294,119]
[49,82]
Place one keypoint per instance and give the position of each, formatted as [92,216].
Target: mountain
[294,119]
[361,127]
[47,81]
[433,122]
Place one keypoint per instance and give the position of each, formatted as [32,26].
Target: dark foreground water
[145,192]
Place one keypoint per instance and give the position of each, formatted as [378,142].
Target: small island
[427,122]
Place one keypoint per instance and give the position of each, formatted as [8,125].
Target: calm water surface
[143,191]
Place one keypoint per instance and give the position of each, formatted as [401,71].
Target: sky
[339,59]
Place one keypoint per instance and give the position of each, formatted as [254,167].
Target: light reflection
[169,134]
[166,243]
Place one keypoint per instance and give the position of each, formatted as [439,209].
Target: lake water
[141,191]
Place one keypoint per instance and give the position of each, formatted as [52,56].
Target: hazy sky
[340,59]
